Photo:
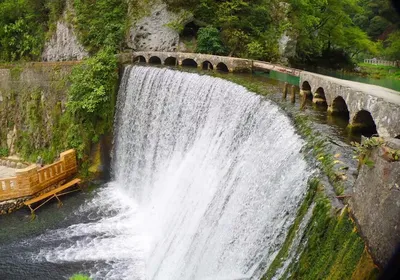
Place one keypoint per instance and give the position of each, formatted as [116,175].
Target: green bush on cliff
[101,23]
[90,107]
[23,25]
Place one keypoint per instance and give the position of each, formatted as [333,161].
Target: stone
[152,33]
[376,208]
[64,44]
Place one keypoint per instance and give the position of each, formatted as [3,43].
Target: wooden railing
[33,179]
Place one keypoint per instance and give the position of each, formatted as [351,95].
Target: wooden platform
[56,193]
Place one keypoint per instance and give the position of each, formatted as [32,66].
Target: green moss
[15,72]
[283,253]
[79,277]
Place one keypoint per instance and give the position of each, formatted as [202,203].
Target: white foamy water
[207,181]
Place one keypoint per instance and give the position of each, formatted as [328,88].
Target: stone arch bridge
[366,107]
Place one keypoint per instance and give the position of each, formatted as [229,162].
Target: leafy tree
[393,49]
[209,41]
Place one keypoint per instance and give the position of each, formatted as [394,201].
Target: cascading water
[207,181]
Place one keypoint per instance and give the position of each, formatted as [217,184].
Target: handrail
[34,179]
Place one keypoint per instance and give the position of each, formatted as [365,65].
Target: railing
[381,62]
[33,179]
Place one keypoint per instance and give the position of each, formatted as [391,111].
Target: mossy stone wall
[32,99]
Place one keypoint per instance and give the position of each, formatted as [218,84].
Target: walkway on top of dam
[365,106]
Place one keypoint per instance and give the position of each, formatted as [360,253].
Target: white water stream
[207,181]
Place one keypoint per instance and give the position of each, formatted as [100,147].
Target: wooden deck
[56,193]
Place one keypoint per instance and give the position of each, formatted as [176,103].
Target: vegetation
[23,27]
[334,33]
[330,247]
[101,23]
[209,41]
[379,71]
[79,277]
[87,115]
[363,151]
[90,107]
[3,152]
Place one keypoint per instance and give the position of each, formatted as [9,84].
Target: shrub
[79,277]
[209,41]
[101,23]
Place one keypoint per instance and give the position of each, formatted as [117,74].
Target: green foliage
[91,97]
[79,277]
[4,152]
[392,50]
[284,251]
[23,25]
[363,151]
[331,248]
[379,71]
[209,41]
[101,23]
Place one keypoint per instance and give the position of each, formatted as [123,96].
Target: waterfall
[207,179]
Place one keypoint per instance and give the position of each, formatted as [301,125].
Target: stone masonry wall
[32,97]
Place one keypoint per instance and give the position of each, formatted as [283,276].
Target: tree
[393,49]
[209,41]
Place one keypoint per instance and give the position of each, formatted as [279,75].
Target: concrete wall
[375,204]
[382,103]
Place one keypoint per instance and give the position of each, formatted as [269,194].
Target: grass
[79,277]
[379,71]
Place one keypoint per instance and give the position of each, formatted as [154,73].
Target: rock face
[376,204]
[64,44]
[152,33]
[287,47]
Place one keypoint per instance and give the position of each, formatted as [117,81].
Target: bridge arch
[155,60]
[339,108]
[398,136]
[306,86]
[222,67]
[306,90]
[319,97]
[364,123]
[207,65]
[140,59]
[171,61]
[189,62]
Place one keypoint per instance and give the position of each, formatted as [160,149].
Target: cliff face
[64,44]
[154,32]
[376,203]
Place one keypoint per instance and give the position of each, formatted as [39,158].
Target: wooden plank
[53,192]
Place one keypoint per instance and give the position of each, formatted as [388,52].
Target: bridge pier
[285,90]
[293,94]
